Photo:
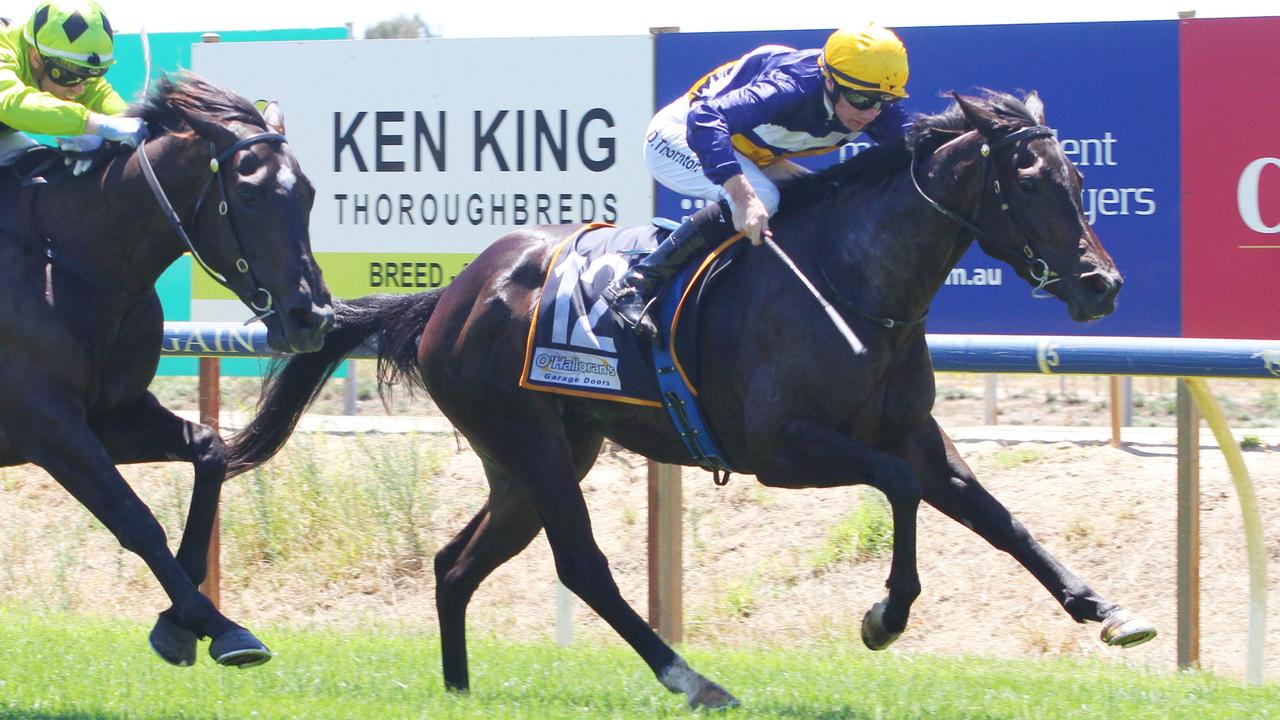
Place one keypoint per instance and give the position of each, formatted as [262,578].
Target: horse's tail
[392,323]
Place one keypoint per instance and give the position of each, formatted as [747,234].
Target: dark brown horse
[81,324]
[787,398]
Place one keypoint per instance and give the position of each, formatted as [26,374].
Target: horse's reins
[1044,277]
[848,306]
[215,166]
[1036,266]
[882,320]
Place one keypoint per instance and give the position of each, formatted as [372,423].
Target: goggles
[68,75]
[864,100]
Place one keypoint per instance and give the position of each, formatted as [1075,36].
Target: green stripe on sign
[350,275]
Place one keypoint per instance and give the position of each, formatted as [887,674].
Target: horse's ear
[217,132]
[272,113]
[985,122]
[1036,106]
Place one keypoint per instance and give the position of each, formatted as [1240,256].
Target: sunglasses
[860,100]
[68,75]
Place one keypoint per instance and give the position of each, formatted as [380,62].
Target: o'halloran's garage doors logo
[574,369]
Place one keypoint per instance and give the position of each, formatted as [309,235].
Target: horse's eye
[1027,184]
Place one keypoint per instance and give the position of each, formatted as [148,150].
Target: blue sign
[1111,92]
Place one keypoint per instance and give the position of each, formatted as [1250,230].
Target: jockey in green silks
[51,82]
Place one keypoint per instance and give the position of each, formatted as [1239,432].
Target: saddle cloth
[577,346]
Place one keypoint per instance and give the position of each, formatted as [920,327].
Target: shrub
[864,532]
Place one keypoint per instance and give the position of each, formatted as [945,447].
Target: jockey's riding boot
[631,295]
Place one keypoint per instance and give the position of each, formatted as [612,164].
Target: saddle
[40,164]
[45,165]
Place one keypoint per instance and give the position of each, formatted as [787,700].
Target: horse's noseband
[259,299]
[1037,267]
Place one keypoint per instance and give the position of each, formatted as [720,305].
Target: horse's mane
[932,131]
[927,134]
[176,100]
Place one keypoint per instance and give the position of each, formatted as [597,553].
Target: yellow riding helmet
[870,57]
[75,31]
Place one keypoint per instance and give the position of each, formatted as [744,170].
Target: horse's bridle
[216,163]
[1036,266]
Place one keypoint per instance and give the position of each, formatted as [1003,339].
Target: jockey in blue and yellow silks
[729,139]
[51,81]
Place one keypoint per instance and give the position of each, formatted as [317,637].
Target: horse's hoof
[874,634]
[175,645]
[1123,629]
[678,677]
[712,697]
[238,648]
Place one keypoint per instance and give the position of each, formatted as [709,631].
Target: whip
[854,343]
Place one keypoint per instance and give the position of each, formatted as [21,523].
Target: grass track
[66,667]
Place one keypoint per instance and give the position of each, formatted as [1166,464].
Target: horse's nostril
[1098,283]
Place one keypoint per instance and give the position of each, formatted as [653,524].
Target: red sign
[1230,178]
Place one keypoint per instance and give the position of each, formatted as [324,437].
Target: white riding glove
[124,130]
[83,146]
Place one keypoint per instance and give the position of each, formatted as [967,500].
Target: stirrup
[639,322]
[646,327]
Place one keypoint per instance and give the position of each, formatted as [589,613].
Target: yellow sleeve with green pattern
[24,107]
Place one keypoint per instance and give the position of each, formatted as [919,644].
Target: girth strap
[678,397]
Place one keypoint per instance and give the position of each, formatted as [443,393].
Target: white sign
[426,151]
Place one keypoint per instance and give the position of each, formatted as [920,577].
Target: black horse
[787,398]
[81,324]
